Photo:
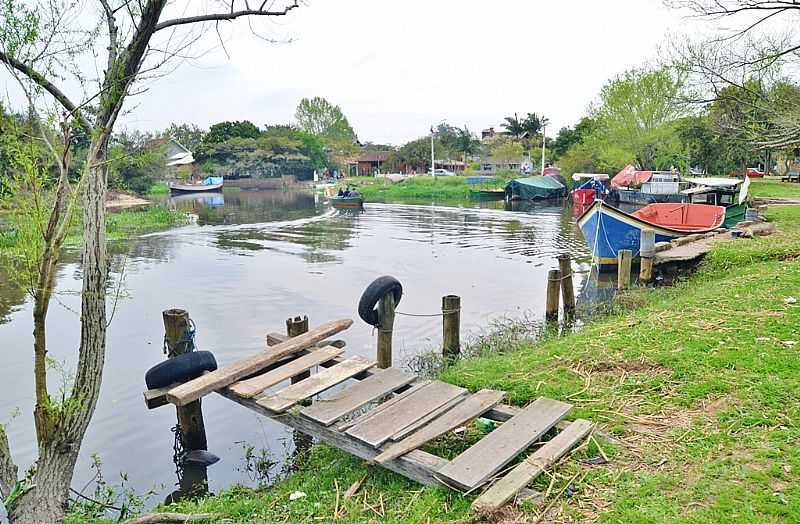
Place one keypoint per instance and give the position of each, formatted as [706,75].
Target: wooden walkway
[386,415]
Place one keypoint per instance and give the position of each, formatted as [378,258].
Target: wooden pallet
[386,416]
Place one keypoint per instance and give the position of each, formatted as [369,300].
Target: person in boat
[340,193]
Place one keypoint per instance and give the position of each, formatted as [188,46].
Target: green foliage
[514,126]
[570,136]
[19,26]
[222,131]
[505,151]
[188,135]
[134,169]
[324,119]
[416,188]
[412,156]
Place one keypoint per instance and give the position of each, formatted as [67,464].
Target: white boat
[211,183]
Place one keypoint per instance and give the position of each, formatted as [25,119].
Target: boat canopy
[594,176]
[538,187]
[630,177]
[715,182]
[211,180]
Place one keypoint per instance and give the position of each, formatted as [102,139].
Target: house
[177,154]
[370,163]
[490,165]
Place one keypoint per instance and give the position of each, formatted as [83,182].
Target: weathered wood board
[385,405]
[314,384]
[533,466]
[329,410]
[225,376]
[251,387]
[471,407]
[477,464]
[379,428]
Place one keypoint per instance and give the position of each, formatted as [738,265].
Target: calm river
[251,260]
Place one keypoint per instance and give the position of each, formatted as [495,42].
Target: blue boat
[607,230]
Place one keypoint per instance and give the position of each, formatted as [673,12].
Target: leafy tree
[413,156]
[41,44]
[467,143]
[570,136]
[223,131]
[533,123]
[319,117]
[507,151]
[188,135]
[135,167]
[636,114]
[514,126]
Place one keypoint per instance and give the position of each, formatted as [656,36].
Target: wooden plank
[318,383]
[227,375]
[385,405]
[486,457]
[273,339]
[411,428]
[251,387]
[533,466]
[329,410]
[417,465]
[503,412]
[466,410]
[379,428]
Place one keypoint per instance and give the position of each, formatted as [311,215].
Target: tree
[39,46]
[319,117]
[188,135]
[636,115]
[467,143]
[534,123]
[223,131]
[413,156]
[570,136]
[514,126]
[507,151]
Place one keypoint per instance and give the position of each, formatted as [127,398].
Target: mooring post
[294,327]
[647,249]
[451,326]
[386,317]
[178,340]
[624,268]
[567,286]
[553,291]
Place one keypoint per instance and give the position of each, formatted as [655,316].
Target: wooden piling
[553,290]
[294,327]
[567,286]
[386,316]
[647,250]
[624,268]
[451,326]
[177,327]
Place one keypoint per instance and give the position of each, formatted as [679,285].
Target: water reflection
[252,260]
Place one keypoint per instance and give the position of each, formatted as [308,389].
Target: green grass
[416,189]
[159,188]
[700,382]
[771,187]
[231,189]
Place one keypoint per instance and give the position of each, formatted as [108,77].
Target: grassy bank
[771,187]
[700,382]
[439,189]
[120,225]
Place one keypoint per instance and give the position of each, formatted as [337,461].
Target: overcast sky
[396,67]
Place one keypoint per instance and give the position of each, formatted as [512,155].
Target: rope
[444,312]
[569,275]
[186,339]
[177,452]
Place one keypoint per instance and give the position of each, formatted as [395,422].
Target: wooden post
[451,326]
[567,289]
[386,316]
[553,289]
[294,327]
[624,268]
[647,249]
[190,417]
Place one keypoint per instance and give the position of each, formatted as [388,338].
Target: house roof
[374,156]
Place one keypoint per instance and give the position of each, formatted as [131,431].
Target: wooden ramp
[386,416]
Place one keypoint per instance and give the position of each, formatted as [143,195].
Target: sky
[398,67]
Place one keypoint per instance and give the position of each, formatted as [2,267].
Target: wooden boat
[536,188]
[607,229]
[211,183]
[726,192]
[487,194]
[353,200]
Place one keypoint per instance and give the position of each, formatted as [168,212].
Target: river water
[251,260]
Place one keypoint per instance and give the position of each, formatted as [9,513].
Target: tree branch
[232,15]
[48,86]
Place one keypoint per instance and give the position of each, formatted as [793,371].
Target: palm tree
[534,123]
[514,126]
[466,142]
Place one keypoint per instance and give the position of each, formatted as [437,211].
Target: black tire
[379,288]
[180,369]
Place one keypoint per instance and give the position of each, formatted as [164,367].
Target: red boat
[690,218]
[752,172]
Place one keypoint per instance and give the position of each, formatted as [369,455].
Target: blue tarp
[212,180]
[475,180]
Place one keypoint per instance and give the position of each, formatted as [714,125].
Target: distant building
[177,154]
[370,163]
[490,166]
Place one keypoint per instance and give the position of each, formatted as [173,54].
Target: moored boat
[730,193]
[607,229]
[536,188]
[211,183]
[588,186]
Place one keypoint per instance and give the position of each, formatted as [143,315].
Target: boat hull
[347,202]
[638,197]
[194,188]
[734,214]
[608,230]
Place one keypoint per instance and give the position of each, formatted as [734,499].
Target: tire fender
[379,288]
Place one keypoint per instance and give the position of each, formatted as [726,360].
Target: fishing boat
[536,188]
[210,183]
[730,193]
[630,186]
[608,229]
[347,200]
[481,188]
[588,186]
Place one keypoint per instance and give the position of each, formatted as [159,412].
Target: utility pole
[544,141]
[433,161]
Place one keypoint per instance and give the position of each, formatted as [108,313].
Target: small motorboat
[730,193]
[588,186]
[607,229]
[536,188]
[347,199]
[210,183]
